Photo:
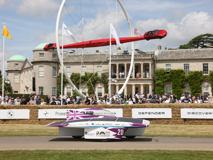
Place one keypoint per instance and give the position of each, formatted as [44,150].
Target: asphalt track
[140,143]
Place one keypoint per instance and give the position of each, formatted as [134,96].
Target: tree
[201,41]
[105,81]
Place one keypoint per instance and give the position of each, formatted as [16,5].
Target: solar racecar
[98,123]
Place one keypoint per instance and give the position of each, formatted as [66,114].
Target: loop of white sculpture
[60,59]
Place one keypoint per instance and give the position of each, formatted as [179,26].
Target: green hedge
[195,80]
[160,81]
[91,79]
[178,78]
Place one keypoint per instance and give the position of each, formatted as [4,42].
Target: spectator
[101,101]
[115,99]
[38,100]
[172,99]
[23,101]
[42,102]
[12,102]
[87,101]
[125,101]
[64,102]
[53,102]
[205,100]
[112,101]
[144,100]
[138,75]
[48,100]
[113,75]
[4,101]
[32,101]
[186,100]
[79,101]
[6,98]
[130,101]
[108,101]
[94,101]
[58,101]
[17,101]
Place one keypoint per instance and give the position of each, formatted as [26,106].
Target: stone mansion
[39,74]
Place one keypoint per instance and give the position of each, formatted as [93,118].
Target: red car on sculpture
[155,34]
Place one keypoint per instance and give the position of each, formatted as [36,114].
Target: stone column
[117,88]
[133,71]
[125,91]
[141,70]
[125,68]
[142,89]
[150,89]
[150,70]
[133,90]
[117,70]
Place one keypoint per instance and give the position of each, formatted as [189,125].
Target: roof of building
[77,58]
[17,58]
[41,46]
[186,54]
[103,57]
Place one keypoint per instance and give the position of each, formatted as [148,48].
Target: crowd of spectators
[93,100]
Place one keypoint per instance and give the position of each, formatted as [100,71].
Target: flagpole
[3,69]
[62,57]
[110,53]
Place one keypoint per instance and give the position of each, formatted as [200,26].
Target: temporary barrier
[156,113]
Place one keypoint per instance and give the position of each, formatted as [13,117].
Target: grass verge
[106,155]
[153,130]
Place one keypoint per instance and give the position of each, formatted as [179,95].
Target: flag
[6,32]
[114,34]
[137,32]
[67,32]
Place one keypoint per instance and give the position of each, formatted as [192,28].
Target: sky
[31,22]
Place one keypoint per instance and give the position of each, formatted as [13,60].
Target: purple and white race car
[98,123]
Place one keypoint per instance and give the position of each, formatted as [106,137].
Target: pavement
[139,143]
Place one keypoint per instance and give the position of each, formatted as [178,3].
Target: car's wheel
[77,137]
[130,137]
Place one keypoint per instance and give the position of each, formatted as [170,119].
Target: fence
[157,113]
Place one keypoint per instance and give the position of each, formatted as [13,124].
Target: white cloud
[191,25]
[96,28]
[8,4]
[179,32]
[2,2]
[38,8]
[99,27]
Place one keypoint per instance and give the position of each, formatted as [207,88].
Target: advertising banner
[197,113]
[52,113]
[118,111]
[14,114]
[62,113]
[151,113]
